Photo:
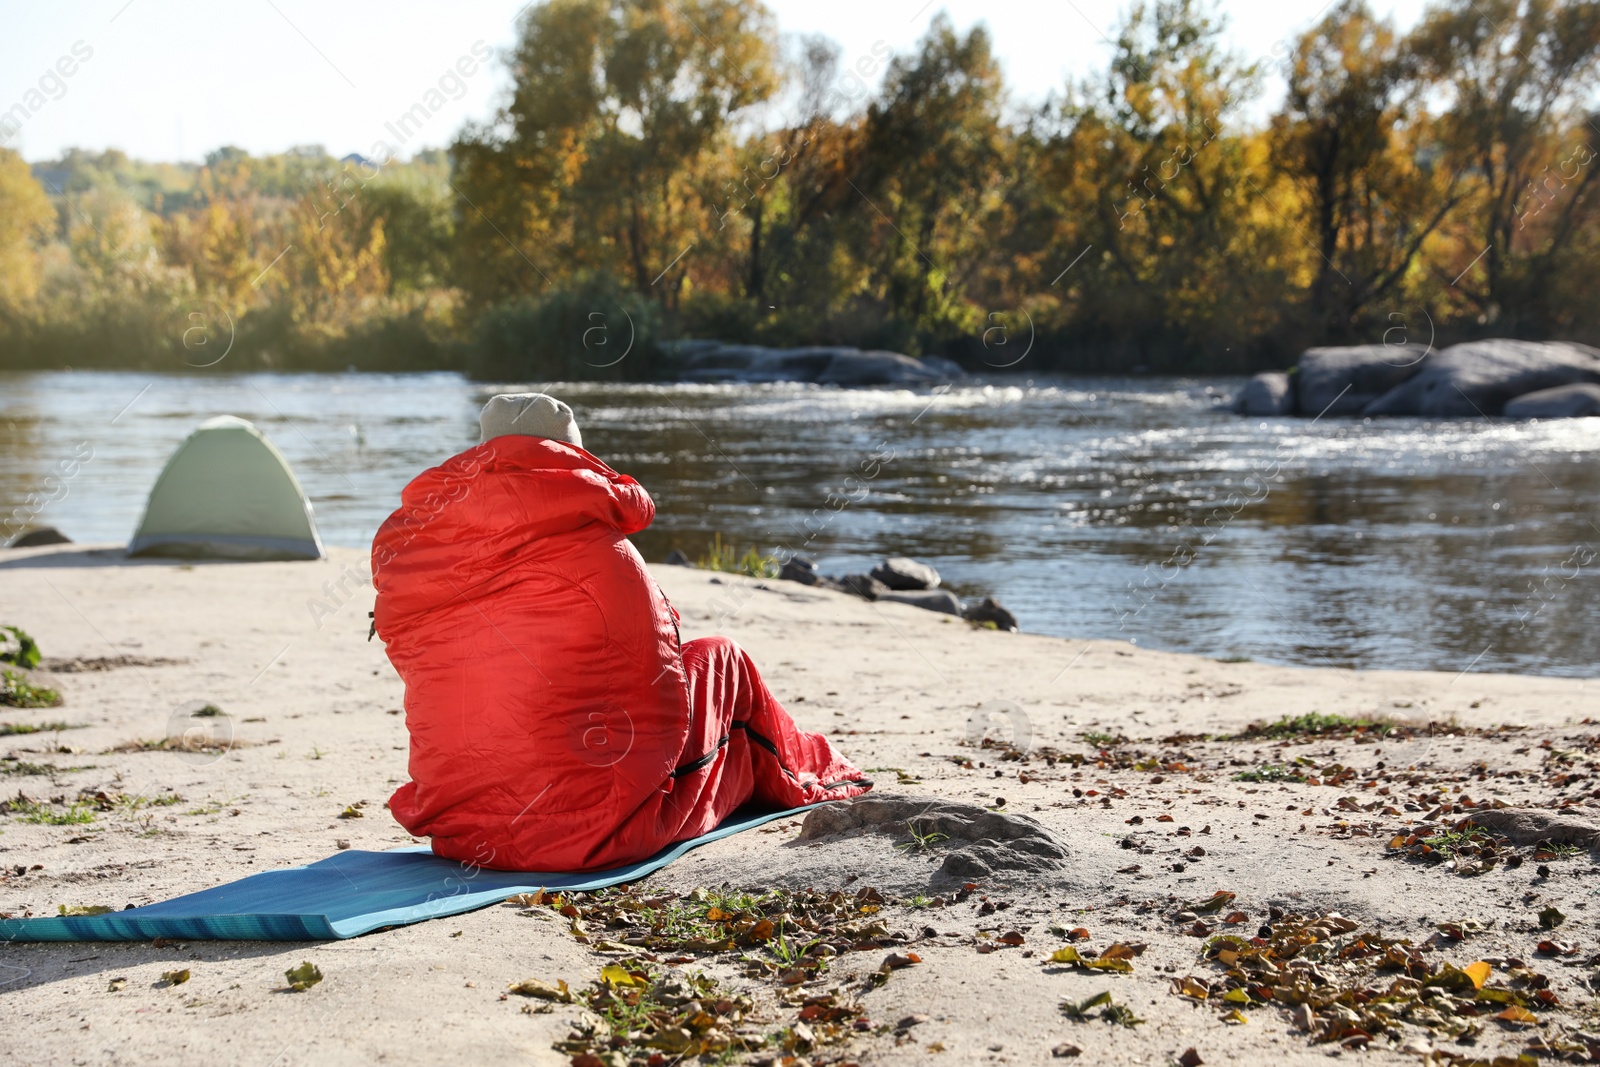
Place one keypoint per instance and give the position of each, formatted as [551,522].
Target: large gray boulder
[928,599]
[1344,380]
[1266,394]
[1481,377]
[1562,402]
[898,572]
[820,365]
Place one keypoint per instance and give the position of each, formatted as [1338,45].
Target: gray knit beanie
[529,414]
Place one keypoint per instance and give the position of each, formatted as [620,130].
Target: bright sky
[174,79]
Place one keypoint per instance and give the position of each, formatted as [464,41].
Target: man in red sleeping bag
[557,720]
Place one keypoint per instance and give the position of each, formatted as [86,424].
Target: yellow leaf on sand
[1107,962]
[534,987]
[1515,1014]
[621,976]
[1479,973]
[1236,1017]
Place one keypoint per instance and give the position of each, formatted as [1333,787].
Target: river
[1132,509]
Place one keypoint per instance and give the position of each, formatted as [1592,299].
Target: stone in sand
[863,585]
[977,842]
[678,559]
[929,599]
[1563,402]
[900,573]
[41,535]
[1526,827]
[799,569]
[989,610]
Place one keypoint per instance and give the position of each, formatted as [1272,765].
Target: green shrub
[592,331]
[17,692]
[721,556]
[17,648]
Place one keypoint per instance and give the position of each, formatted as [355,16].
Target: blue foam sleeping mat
[348,894]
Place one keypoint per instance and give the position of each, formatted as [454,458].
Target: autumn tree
[1514,77]
[615,106]
[26,222]
[932,174]
[1185,245]
[1356,144]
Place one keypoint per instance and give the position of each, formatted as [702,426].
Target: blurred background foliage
[665,170]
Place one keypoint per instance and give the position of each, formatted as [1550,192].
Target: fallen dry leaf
[1216,902]
[303,977]
[534,987]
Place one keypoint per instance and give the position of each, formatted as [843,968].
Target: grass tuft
[721,556]
[17,692]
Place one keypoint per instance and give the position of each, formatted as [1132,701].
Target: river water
[1135,509]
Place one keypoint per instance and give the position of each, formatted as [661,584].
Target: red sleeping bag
[557,721]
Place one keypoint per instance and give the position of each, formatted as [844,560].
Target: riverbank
[1110,747]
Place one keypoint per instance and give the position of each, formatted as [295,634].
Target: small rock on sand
[900,573]
[976,842]
[40,535]
[864,585]
[991,611]
[929,599]
[1526,827]
[800,569]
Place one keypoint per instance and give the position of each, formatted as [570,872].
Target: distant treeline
[675,168]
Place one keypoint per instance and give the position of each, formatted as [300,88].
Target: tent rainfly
[227,493]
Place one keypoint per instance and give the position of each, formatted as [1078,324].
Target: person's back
[557,723]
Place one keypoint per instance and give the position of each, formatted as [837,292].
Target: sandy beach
[1149,806]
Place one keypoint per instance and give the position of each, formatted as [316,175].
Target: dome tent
[227,493]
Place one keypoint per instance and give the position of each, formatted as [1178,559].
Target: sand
[310,703]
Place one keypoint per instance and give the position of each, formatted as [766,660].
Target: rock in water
[713,362]
[863,585]
[898,572]
[678,559]
[1562,402]
[40,535]
[1266,394]
[1344,380]
[930,599]
[799,569]
[989,610]
[1481,377]
[975,842]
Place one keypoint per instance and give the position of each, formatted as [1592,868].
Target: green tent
[227,493]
